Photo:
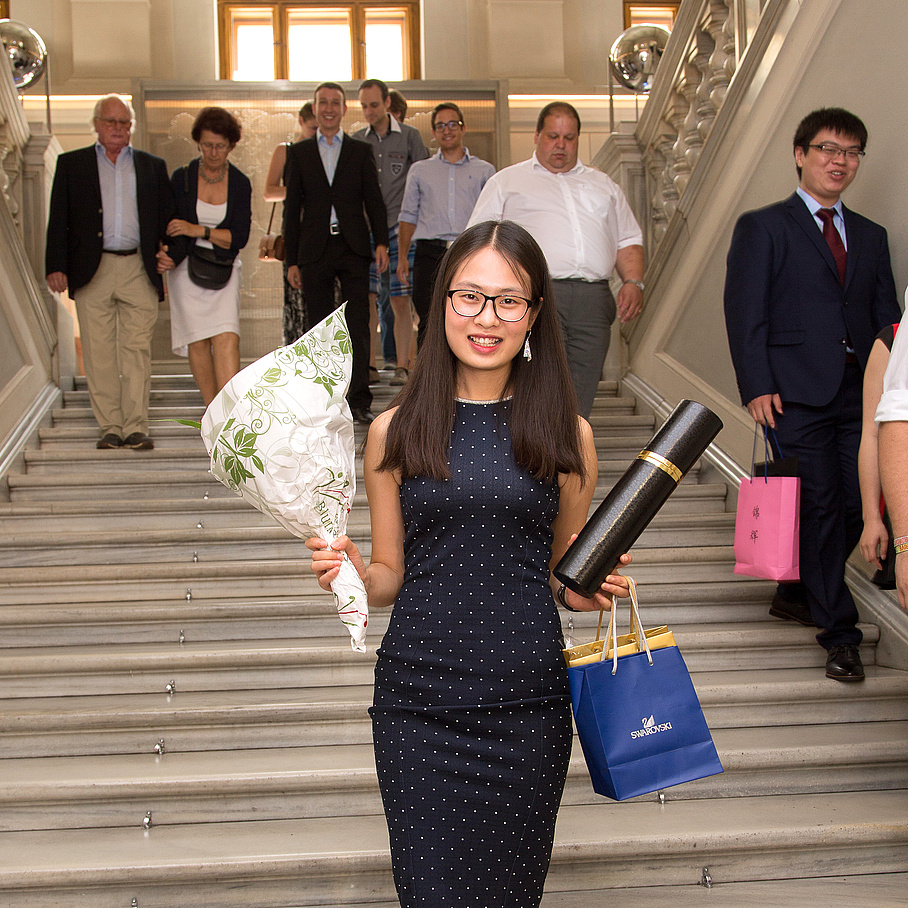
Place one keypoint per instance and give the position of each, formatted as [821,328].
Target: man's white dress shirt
[580,218]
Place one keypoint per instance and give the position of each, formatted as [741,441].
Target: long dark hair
[545,434]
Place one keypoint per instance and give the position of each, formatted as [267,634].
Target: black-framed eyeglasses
[508,308]
[450,124]
[833,151]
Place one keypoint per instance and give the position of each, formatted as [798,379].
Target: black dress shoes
[110,440]
[791,610]
[843,663]
[362,415]
[138,441]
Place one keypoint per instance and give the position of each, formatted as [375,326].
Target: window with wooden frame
[315,42]
[650,12]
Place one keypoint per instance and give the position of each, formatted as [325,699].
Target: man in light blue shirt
[438,201]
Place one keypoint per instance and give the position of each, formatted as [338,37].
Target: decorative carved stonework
[14,133]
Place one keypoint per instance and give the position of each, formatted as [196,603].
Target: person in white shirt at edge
[892,418]
[582,221]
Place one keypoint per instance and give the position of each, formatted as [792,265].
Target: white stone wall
[548,46]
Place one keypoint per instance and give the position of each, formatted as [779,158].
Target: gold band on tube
[665,465]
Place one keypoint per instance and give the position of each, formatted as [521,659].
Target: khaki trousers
[117,312]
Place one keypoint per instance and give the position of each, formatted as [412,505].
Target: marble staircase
[183,723]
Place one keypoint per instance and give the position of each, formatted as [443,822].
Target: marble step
[28,624]
[279,577]
[137,484]
[79,413]
[869,890]
[298,782]
[302,662]
[689,503]
[169,433]
[881,890]
[344,860]
[22,524]
[81,545]
[240,719]
[192,453]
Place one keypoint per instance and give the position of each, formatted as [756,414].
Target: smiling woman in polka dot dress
[477,482]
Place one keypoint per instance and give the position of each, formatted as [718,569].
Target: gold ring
[665,465]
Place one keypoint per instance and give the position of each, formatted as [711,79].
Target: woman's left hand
[179,227]
[613,585]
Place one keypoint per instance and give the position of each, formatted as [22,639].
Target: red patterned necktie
[834,239]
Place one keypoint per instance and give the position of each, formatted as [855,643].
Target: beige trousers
[117,312]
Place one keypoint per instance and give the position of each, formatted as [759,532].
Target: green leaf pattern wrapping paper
[280,435]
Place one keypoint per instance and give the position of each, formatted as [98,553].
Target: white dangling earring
[527,353]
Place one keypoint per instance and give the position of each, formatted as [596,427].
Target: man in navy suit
[808,286]
[109,210]
[332,188]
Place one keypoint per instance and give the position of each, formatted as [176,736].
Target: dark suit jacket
[786,312]
[185,185]
[355,195]
[75,226]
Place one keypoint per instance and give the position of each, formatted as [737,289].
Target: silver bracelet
[636,283]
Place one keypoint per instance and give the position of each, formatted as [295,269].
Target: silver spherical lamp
[28,58]
[635,56]
[633,60]
[26,51]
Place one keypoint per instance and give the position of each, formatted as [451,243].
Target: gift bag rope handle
[635,619]
[767,449]
[634,615]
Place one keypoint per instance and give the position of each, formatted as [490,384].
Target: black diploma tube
[636,498]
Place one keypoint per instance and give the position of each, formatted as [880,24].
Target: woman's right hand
[328,557]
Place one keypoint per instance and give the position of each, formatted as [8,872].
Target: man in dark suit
[332,188]
[109,209]
[808,286]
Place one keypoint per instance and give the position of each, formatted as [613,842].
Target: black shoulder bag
[204,267]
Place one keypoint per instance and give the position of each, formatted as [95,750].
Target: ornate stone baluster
[720,25]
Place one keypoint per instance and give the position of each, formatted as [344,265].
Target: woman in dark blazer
[214,211]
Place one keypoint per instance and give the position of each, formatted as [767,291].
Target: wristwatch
[208,237]
[560,597]
[636,283]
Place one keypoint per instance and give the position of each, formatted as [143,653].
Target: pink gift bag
[768,519]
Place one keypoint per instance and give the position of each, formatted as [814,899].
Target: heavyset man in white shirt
[582,221]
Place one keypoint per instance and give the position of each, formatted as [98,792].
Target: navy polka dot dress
[471,715]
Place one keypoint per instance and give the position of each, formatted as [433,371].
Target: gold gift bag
[585,653]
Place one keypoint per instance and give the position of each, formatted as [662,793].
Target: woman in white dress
[294,320]
[214,204]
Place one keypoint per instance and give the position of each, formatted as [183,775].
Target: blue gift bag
[639,720]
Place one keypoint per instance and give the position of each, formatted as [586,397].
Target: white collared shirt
[893,406]
[329,149]
[838,219]
[119,200]
[580,218]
